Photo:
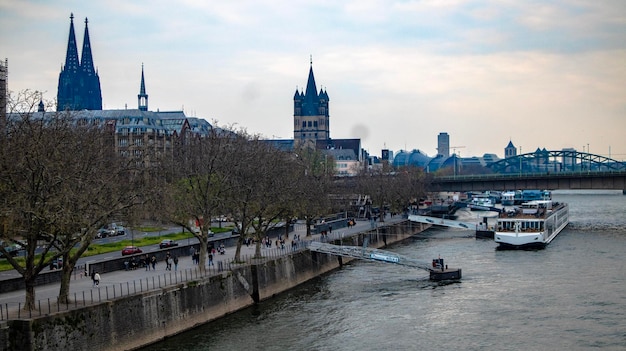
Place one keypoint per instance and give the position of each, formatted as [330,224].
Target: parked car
[167,243]
[112,229]
[131,250]
[12,250]
[57,263]
[102,233]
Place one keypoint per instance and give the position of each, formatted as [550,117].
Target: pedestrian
[146,261]
[168,264]
[175,263]
[93,278]
[96,279]
[153,261]
[195,257]
[210,259]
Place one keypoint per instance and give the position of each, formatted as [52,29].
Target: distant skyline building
[311,122]
[4,77]
[79,83]
[443,144]
[510,150]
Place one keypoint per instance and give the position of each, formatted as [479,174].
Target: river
[569,296]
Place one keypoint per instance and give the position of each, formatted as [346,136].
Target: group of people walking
[169,260]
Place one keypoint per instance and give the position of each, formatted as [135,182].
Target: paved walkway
[122,283]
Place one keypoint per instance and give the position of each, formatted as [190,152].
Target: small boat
[481,203]
[508,198]
[534,224]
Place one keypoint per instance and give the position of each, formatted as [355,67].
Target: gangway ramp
[443,222]
[482,229]
[371,254]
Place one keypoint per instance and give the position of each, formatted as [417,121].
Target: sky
[541,74]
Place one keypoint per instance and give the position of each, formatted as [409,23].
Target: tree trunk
[257,249]
[29,302]
[238,249]
[66,274]
[203,237]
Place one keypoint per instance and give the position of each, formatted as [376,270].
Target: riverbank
[140,319]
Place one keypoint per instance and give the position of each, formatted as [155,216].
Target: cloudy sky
[546,73]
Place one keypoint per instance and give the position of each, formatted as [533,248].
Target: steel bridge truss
[556,161]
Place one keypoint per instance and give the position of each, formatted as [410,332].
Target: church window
[303,124]
[310,124]
[315,124]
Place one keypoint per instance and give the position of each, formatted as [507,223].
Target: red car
[131,250]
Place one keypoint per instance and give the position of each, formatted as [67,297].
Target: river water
[569,296]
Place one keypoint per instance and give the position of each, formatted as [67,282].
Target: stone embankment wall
[142,319]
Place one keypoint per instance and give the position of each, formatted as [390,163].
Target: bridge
[551,181]
[542,169]
[371,254]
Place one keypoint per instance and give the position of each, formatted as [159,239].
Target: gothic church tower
[79,83]
[310,114]
[142,97]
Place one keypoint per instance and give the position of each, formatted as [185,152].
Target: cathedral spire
[86,60]
[79,84]
[71,57]
[142,98]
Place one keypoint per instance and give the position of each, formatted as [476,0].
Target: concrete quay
[135,308]
[81,284]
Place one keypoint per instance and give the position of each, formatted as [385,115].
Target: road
[128,236]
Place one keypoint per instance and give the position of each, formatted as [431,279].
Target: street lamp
[520,160]
[589,159]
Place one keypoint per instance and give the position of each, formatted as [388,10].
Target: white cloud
[539,73]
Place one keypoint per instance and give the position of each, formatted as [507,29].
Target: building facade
[310,114]
[443,145]
[79,83]
[4,77]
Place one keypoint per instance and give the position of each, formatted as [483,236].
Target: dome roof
[413,158]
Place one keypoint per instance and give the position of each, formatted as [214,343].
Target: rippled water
[572,295]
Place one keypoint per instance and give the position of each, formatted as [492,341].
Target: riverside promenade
[127,282]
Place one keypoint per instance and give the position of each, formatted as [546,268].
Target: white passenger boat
[534,224]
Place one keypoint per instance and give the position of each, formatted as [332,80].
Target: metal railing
[98,294]
[103,293]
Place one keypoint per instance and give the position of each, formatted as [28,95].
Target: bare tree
[313,186]
[198,184]
[59,184]
[391,189]
[262,188]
